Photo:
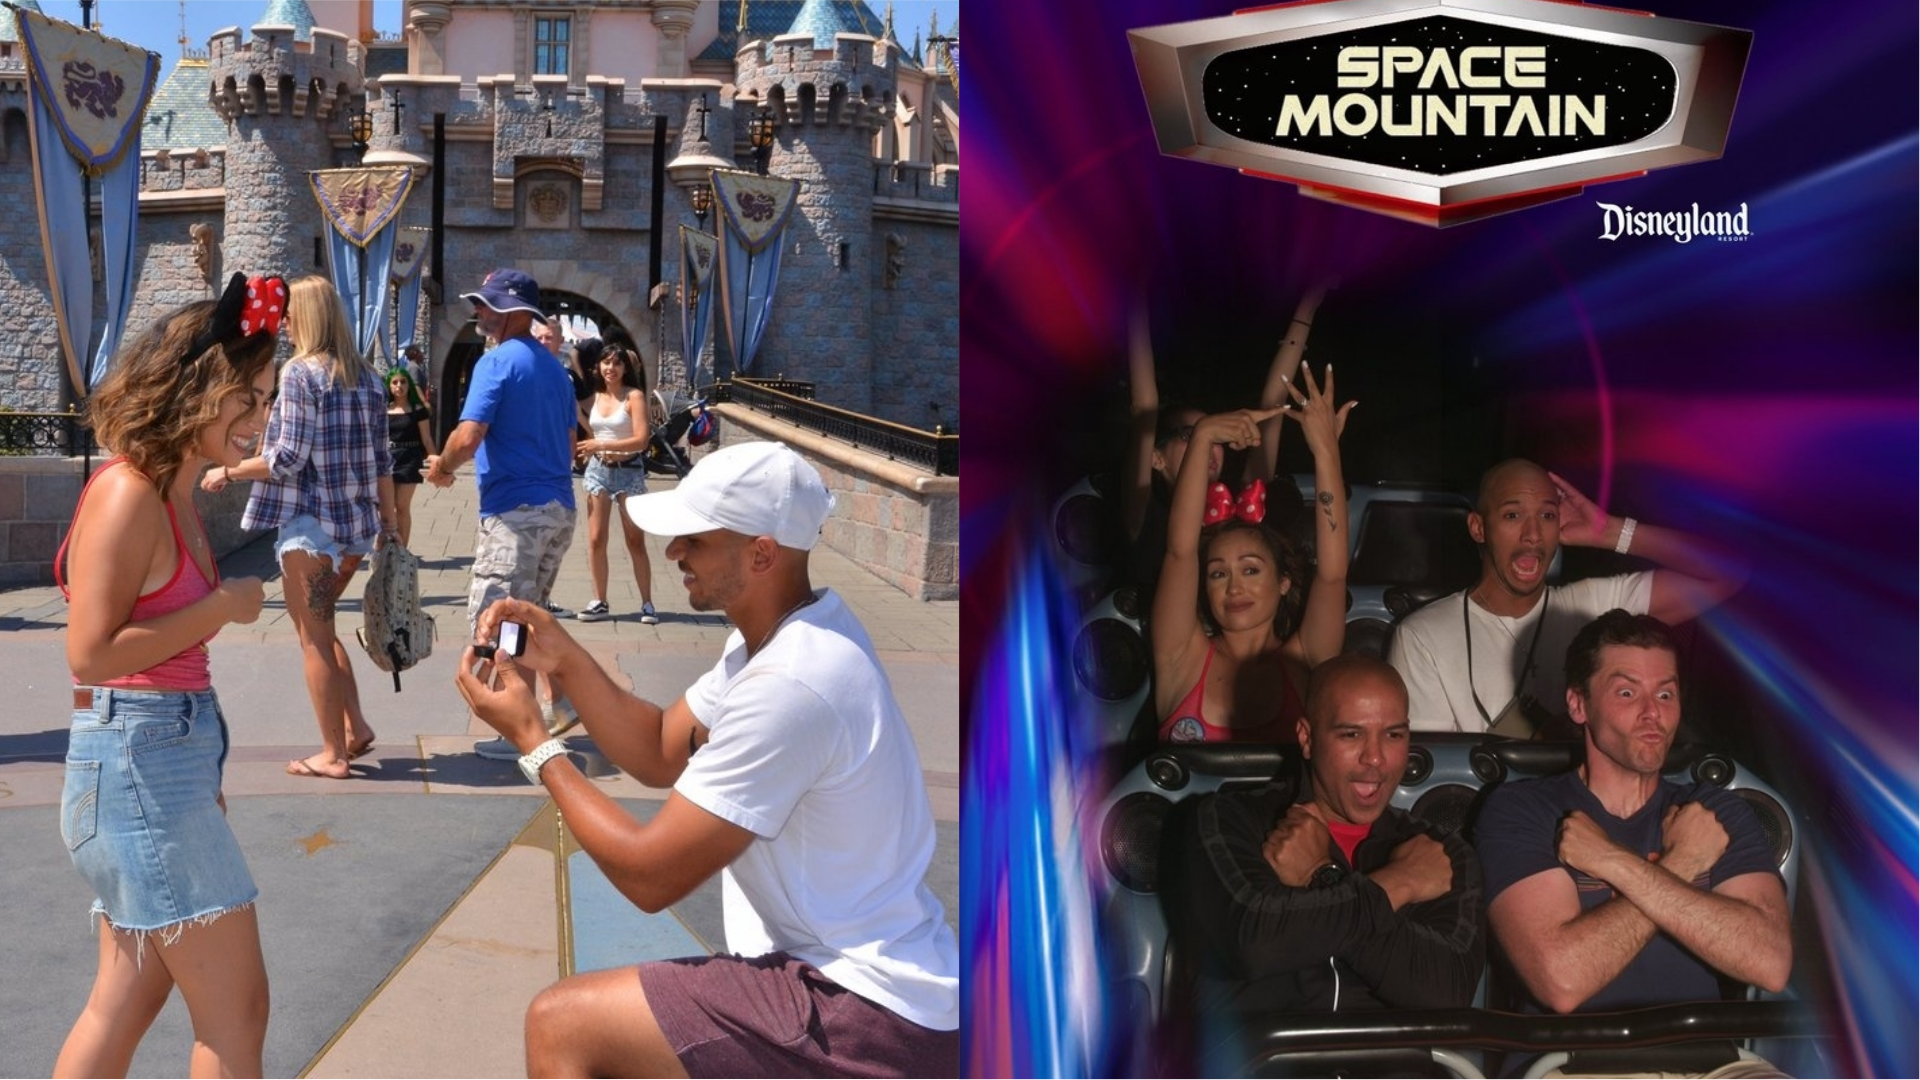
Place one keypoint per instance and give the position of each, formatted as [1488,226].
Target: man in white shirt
[794,776]
[1489,658]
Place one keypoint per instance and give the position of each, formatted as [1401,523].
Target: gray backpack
[397,634]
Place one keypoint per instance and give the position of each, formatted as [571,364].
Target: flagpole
[85,364]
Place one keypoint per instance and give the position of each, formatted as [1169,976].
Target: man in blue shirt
[517,425]
[1611,887]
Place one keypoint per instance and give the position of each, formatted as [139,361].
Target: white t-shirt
[809,752]
[1430,652]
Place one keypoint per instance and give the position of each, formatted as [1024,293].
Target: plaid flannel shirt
[326,450]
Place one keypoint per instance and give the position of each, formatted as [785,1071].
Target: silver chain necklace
[778,623]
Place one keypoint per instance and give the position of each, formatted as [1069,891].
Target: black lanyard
[1526,668]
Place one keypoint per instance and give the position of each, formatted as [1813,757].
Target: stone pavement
[410,913]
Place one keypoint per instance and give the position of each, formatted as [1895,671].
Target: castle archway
[467,346]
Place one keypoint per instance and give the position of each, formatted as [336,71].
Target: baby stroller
[673,418]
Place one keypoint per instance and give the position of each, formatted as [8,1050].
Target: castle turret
[828,90]
[283,94]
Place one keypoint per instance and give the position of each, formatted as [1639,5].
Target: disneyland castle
[533,132]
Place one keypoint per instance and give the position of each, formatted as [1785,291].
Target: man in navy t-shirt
[517,425]
[1611,888]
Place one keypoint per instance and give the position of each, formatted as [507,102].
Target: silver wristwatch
[530,763]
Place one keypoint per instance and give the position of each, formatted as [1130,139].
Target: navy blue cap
[508,290]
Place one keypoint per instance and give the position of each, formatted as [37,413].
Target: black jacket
[1259,946]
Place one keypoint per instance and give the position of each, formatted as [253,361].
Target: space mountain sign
[1441,111]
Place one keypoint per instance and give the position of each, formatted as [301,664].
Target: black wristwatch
[1327,876]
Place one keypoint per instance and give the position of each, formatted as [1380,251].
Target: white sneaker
[647,614]
[558,612]
[594,612]
[561,717]
[497,750]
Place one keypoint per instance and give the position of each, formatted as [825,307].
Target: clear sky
[155,24]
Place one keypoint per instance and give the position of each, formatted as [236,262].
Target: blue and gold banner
[96,89]
[699,257]
[360,202]
[410,251]
[753,215]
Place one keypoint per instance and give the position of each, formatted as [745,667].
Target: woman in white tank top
[617,416]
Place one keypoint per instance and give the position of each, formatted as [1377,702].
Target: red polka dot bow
[1250,506]
[266,305]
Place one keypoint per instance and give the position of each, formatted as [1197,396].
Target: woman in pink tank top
[1232,640]
[141,811]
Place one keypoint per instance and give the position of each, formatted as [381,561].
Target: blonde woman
[141,810]
[324,477]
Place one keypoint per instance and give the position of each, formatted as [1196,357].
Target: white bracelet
[1626,536]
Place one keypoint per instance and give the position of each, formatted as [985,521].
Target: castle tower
[284,94]
[828,88]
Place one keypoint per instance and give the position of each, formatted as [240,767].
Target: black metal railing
[29,434]
[936,451]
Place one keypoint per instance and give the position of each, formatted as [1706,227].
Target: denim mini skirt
[140,812]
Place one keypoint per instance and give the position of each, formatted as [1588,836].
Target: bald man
[1313,893]
[1488,658]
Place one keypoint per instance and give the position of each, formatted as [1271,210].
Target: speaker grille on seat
[1130,840]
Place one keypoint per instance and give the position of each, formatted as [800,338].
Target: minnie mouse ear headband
[249,306]
[1250,506]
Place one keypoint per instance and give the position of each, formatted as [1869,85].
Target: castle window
[551,35]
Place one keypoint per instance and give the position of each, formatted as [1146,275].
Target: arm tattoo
[1326,507]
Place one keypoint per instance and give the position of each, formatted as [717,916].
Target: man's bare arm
[1563,954]
[1739,928]
[1692,578]
[1265,460]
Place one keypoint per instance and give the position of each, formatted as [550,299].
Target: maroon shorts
[774,1015]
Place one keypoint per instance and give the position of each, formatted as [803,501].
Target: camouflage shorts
[518,554]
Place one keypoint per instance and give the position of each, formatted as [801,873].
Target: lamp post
[702,202]
[760,134]
[360,130]
[546,106]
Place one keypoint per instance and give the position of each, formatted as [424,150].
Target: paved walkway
[408,914]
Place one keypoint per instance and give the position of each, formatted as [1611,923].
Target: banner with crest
[93,91]
[754,211]
[699,257]
[360,204]
[410,250]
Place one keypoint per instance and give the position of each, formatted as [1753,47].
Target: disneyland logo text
[1681,225]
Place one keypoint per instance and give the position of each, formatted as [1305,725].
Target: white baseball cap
[756,488]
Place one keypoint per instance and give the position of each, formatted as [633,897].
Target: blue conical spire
[294,13]
[822,19]
[6,20]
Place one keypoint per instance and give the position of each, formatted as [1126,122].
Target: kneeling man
[794,777]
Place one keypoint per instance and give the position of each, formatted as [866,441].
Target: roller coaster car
[1445,780]
[1410,548]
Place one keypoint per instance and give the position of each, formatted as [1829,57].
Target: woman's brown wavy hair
[158,398]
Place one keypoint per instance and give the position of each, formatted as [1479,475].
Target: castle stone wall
[916,351]
[31,378]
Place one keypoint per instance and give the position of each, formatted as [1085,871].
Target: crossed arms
[1414,949]
[1566,955]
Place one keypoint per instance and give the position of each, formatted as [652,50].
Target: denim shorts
[139,812]
[616,480]
[305,533]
